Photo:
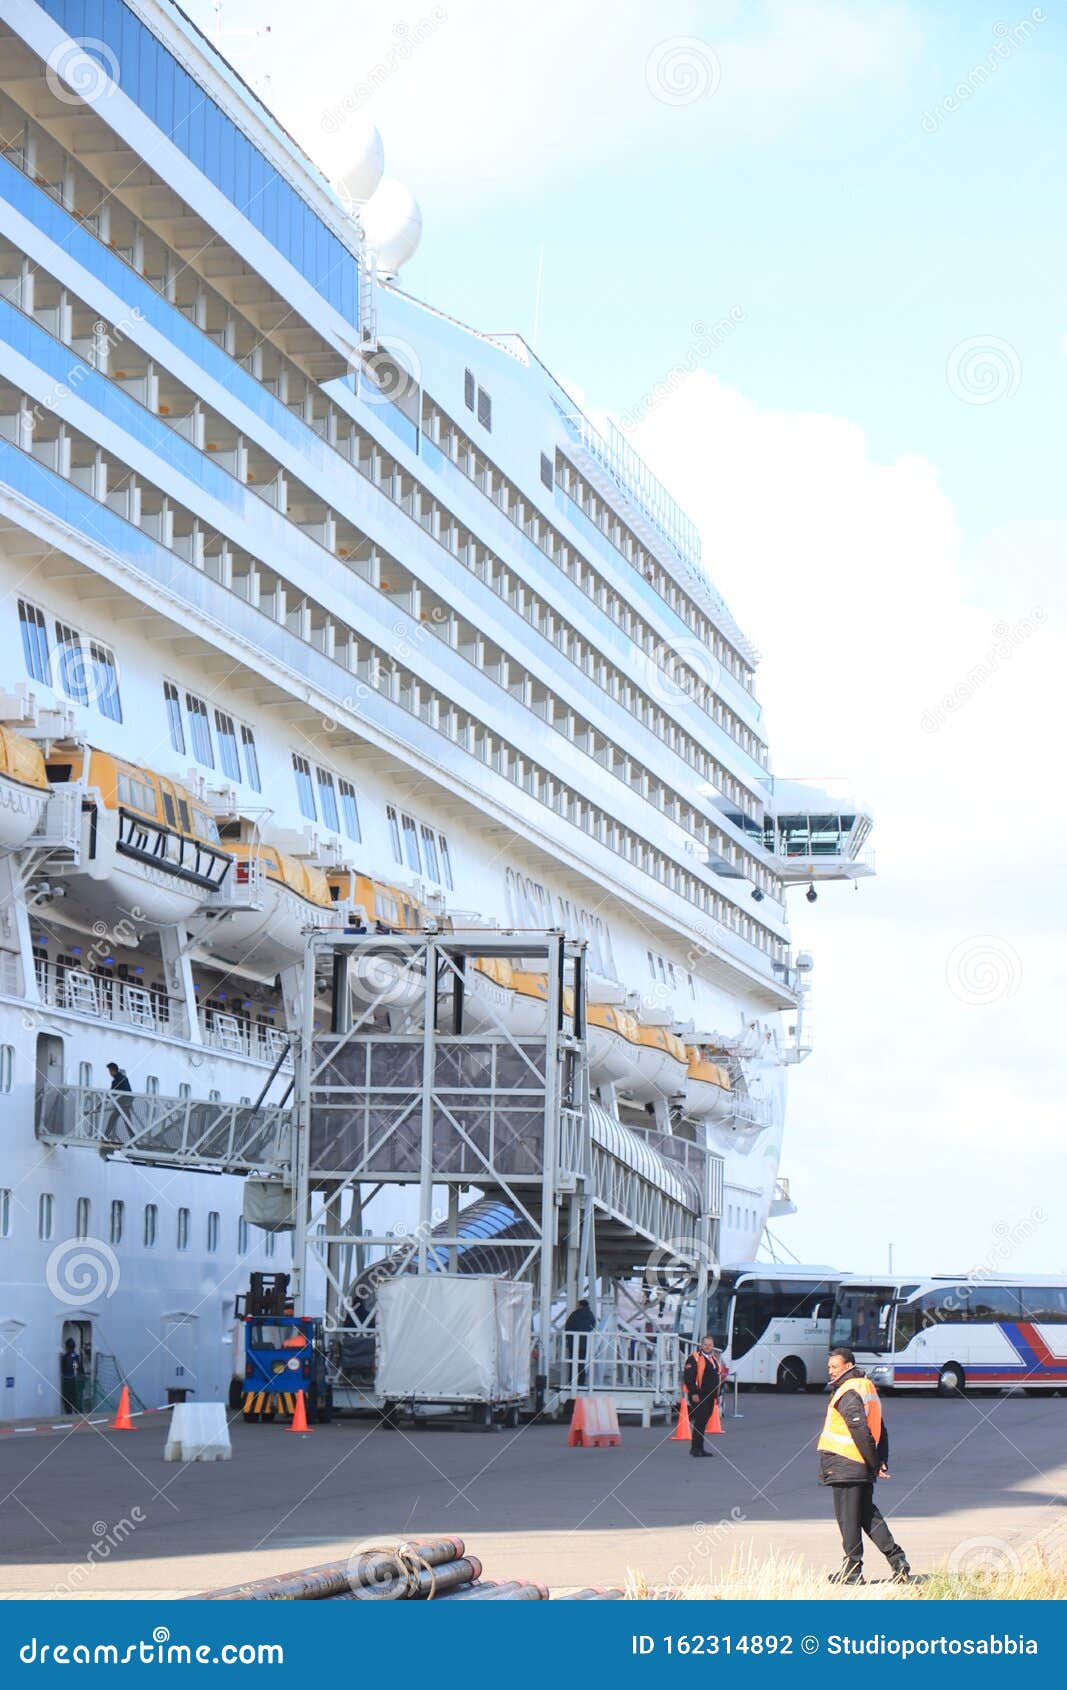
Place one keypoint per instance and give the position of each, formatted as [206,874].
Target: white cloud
[846,572]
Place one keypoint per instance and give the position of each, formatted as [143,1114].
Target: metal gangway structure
[423,1080]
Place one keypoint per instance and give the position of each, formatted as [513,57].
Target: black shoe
[847,1575]
[901,1572]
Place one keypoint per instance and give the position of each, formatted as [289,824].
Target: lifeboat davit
[23,789]
[708,1089]
[264,914]
[142,846]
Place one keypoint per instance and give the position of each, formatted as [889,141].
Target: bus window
[863,1316]
[1048,1307]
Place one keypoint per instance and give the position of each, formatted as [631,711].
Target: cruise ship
[321,609]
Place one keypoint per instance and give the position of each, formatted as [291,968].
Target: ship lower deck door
[179,1356]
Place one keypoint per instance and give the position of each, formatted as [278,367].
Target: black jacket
[711,1382]
[580,1319]
[838,1469]
[121,1081]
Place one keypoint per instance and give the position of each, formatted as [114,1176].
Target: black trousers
[855,1514]
[700,1413]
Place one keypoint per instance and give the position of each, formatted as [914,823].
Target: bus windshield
[863,1317]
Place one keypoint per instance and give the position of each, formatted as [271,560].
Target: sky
[811,255]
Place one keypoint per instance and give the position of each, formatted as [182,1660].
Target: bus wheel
[791,1375]
[950,1381]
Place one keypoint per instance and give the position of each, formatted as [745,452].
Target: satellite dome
[365,171]
[392,224]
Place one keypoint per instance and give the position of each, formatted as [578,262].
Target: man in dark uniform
[853,1454]
[581,1320]
[71,1374]
[702,1380]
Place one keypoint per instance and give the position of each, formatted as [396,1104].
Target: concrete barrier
[198,1432]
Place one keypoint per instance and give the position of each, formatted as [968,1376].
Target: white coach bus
[772,1323]
[951,1334]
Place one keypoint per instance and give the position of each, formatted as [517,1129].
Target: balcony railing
[174,1131]
[148,1009]
[617,1363]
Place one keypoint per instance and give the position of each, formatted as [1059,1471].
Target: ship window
[206,827]
[251,759]
[72,671]
[85,1074]
[411,845]
[46,1207]
[185,1089]
[212,1231]
[485,409]
[173,703]
[5,1212]
[446,860]
[199,730]
[82,1214]
[184,816]
[305,792]
[651,964]
[34,640]
[169,811]
[151,1085]
[183,1229]
[468,389]
[692,987]
[118,1219]
[7,1063]
[349,809]
[227,738]
[328,799]
[151,1222]
[394,833]
[429,853]
[547,475]
[242,1236]
[104,681]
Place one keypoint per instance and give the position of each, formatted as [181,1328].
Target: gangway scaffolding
[422,1080]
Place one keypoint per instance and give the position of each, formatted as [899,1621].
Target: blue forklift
[285,1354]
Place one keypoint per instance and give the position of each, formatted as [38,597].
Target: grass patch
[1003,1575]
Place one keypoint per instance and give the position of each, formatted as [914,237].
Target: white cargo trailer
[454,1339]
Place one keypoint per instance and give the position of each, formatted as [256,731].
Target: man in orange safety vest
[853,1454]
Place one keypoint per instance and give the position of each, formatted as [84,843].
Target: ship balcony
[169,1131]
[146,1009]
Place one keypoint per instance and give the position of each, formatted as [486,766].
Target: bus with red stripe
[952,1333]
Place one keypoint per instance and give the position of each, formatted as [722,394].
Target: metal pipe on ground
[362,1570]
[594,1593]
[519,1590]
[419,1584]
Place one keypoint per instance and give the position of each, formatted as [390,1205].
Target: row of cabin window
[662,970]
[419,847]
[737,1216]
[478,400]
[82,668]
[46,1211]
[321,794]
[235,740]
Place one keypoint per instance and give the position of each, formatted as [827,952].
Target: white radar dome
[392,224]
[364,172]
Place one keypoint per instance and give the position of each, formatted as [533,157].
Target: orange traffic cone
[300,1419]
[715,1423]
[123,1421]
[683,1432]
